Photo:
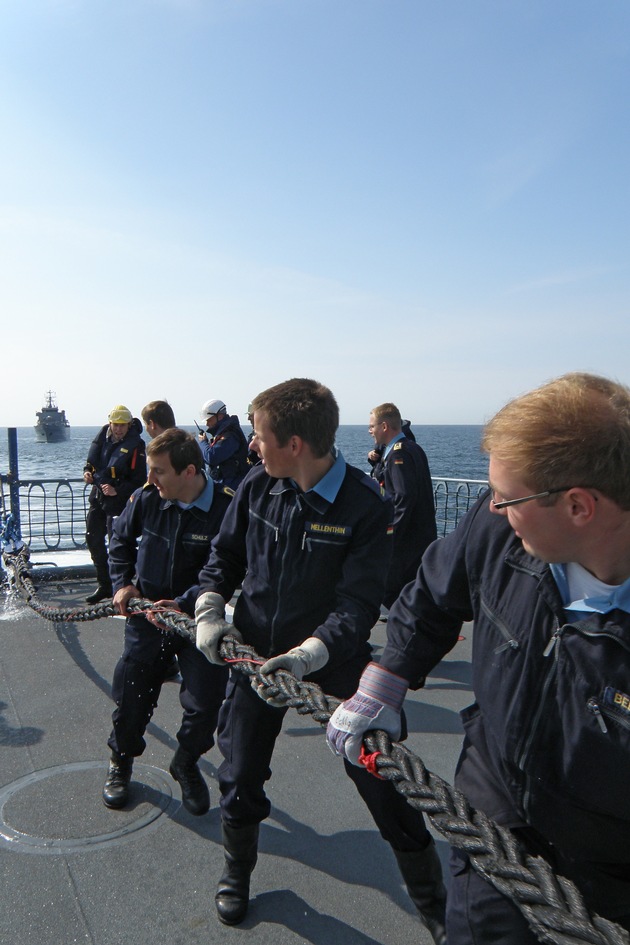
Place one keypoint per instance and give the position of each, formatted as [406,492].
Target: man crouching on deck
[542,566]
[307,535]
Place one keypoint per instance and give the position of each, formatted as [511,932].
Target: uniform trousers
[138,679]
[246,735]
[98,527]
[478,914]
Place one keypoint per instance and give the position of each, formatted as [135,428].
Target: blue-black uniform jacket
[120,464]
[548,737]
[226,452]
[175,545]
[405,476]
[308,567]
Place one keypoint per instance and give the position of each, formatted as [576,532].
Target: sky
[417,201]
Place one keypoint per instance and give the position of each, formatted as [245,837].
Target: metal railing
[52,512]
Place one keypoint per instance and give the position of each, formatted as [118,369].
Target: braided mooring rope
[552,905]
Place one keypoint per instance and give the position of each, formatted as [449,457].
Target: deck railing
[52,511]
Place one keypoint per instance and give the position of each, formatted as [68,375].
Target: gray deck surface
[73,871]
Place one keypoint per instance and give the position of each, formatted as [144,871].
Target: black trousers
[478,914]
[247,732]
[138,679]
[98,527]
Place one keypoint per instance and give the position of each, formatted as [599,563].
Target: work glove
[212,626]
[375,705]
[302,660]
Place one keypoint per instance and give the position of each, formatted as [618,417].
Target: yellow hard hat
[120,414]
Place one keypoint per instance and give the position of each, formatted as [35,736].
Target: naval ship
[52,425]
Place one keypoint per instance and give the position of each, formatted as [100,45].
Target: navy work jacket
[225,452]
[406,477]
[308,567]
[175,545]
[548,737]
[120,464]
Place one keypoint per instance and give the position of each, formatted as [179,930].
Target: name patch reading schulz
[617,700]
[319,528]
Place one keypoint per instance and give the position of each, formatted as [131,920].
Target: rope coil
[552,905]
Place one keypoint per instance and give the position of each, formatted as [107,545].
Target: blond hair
[572,431]
[390,414]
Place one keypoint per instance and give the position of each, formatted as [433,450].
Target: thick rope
[552,905]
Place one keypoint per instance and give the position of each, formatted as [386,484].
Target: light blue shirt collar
[618,598]
[390,445]
[204,499]
[330,484]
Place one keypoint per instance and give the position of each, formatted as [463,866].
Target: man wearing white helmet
[223,445]
[116,466]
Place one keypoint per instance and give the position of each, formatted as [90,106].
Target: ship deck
[75,872]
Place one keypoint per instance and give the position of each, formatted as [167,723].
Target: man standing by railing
[403,472]
[116,465]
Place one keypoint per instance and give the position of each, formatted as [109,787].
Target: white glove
[375,705]
[212,625]
[302,660]
[306,658]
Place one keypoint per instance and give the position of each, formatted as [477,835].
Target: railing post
[14,479]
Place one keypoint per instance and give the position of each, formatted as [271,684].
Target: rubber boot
[240,845]
[195,793]
[104,588]
[102,592]
[116,788]
[422,873]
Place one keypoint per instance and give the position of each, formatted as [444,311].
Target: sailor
[542,565]
[403,471]
[116,465]
[306,536]
[159,545]
[157,417]
[223,444]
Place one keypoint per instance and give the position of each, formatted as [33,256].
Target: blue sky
[424,202]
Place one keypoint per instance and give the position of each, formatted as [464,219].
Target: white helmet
[211,408]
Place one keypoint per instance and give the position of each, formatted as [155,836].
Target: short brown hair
[160,412]
[301,407]
[182,448]
[390,414]
[572,431]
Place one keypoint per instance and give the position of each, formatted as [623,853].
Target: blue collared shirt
[617,598]
[330,484]
[204,500]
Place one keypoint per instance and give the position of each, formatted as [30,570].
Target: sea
[453,451]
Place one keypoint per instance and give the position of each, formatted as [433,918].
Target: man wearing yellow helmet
[116,466]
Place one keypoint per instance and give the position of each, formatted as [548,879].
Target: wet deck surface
[73,871]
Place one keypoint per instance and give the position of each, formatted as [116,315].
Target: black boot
[422,873]
[195,793]
[240,846]
[101,593]
[116,790]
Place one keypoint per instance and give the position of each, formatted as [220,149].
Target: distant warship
[52,426]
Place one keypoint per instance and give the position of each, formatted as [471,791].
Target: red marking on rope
[246,659]
[369,761]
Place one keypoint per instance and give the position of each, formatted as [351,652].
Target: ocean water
[453,451]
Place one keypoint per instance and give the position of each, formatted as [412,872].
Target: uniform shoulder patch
[398,446]
[372,484]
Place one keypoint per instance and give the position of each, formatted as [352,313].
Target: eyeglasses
[527,498]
